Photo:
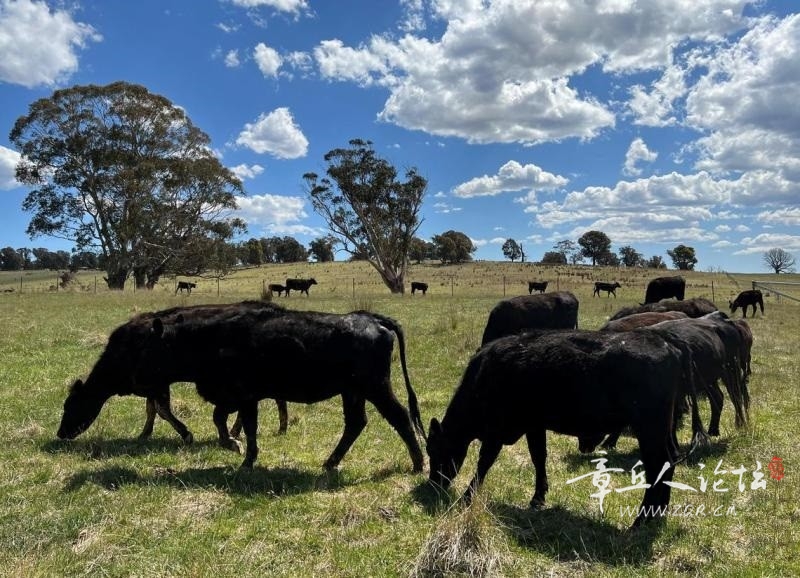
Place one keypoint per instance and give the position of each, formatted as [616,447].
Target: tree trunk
[140,277]
[116,278]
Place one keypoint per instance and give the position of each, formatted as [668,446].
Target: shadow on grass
[563,535]
[433,499]
[94,449]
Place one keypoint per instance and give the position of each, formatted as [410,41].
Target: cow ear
[435,428]
[158,327]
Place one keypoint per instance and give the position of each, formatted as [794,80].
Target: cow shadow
[267,482]
[109,448]
[565,536]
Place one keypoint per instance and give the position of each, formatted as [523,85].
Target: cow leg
[283,416]
[248,413]
[355,420]
[221,421]
[654,441]
[716,400]
[162,407]
[397,416]
[236,428]
[150,418]
[537,447]
[611,440]
[490,449]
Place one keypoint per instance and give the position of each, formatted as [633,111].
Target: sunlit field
[107,504]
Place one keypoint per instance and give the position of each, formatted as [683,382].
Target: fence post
[57,279]
[354,287]
[452,286]
[20,284]
[217,286]
[95,284]
[504,285]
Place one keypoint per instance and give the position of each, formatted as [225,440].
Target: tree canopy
[123,171]
[512,250]
[595,245]
[453,247]
[368,210]
[683,257]
[779,260]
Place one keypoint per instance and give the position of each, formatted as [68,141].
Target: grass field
[107,504]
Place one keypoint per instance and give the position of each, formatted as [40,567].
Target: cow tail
[699,435]
[413,404]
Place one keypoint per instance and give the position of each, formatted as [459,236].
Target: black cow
[540,286]
[557,310]
[631,322]
[301,285]
[695,307]
[664,288]
[255,353]
[277,288]
[185,285]
[419,286]
[609,288]
[745,352]
[577,383]
[745,299]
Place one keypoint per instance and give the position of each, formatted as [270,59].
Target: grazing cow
[609,288]
[419,286]
[185,285]
[631,322]
[695,307]
[714,357]
[540,286]
[301,285]
[277,288]
[557,310]
[577,383]
[745,299]
[664,288]
[253,353]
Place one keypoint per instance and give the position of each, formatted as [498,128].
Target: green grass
[106,504]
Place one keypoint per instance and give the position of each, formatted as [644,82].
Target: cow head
[588,442]
[81,408]
[446,458]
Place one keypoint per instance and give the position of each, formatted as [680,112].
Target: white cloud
[275,214]
[39,46]
[638,151]
[8,166]
[512,176]
[290,6]
[247,172]
[766,241]
[656,107]
[232,59]
[268,60]
[275,133]
[789,216]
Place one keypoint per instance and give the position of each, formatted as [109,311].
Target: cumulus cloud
[275,133]
[290,6]
[503,71]
[232,59]
[247,172]
[39,45]
[766,241]
[512,176]
[637,152]
[275,214]
[789,216]
[8,166]
[268,60]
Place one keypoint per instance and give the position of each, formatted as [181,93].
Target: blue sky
[658,122]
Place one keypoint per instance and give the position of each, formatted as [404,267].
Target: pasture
[107,504]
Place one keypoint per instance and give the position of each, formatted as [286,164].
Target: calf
[301,285]
[577,383]
[185,285]
[609,288]
[252,353]
[745,299]
[419,286]
[278,288]
[540,286]
[556,310]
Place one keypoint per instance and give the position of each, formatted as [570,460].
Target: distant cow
[540,286]
[277,288]
[419,286]
[185,285]
[576,383]
[609,288]
[556,310]
[745,299]
[301,285]
[695,307]
[664,288]
[252,353]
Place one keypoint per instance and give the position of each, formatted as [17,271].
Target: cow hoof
[713,431]
[188,439]
[537,503]
[233,445]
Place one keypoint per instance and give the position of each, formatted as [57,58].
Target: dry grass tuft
[465,543]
